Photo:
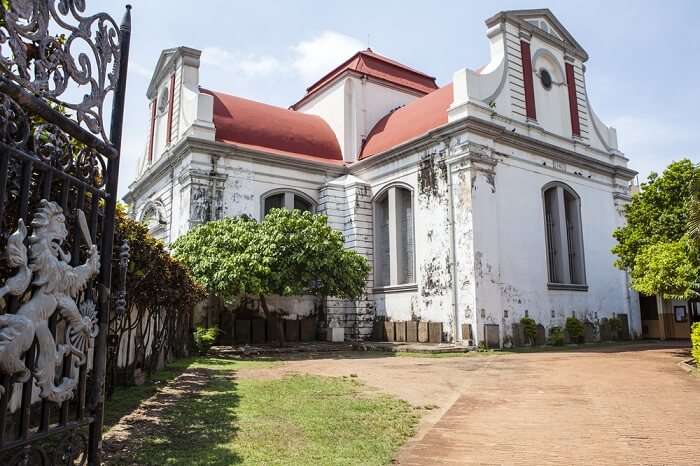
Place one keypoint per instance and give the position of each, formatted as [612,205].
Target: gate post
[115,133]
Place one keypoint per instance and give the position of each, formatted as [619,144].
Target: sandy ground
[616,405]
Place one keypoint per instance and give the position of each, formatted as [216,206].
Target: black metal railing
[58,186]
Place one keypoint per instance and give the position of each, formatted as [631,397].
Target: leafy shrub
[204,338]
[695,340]
[615,324]
[575,329]
[529,329]
[556,336]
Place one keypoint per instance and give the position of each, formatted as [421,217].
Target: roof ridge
[333,71]
[369,63]
[371,53]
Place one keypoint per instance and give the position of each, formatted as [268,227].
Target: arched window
[565,259]
[394,252]
[153,216]
[286,199]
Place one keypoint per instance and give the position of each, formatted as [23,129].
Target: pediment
[543,23]
[160,69]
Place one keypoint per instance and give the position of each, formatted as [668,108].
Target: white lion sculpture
[56,286]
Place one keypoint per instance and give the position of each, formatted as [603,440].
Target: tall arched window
[153,216]
[565,259]
[286,199]
[394,253]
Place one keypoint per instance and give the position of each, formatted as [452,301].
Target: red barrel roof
[409,122]
[272,129]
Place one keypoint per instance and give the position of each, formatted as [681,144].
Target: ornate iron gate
[59,70]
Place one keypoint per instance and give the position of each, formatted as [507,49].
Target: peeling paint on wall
[435,271]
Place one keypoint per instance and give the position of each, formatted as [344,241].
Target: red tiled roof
[273,129]
[368,63]
[409,122]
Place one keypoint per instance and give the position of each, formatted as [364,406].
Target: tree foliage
[694,208]
[154,278]
[668,269]
[160,294]
[289,253]
[654,245]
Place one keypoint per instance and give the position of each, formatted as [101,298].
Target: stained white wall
[518,272]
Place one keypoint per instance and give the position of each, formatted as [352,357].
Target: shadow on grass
[185,422]
[125,399]
[196,429]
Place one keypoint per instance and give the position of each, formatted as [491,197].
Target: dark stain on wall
[431,174]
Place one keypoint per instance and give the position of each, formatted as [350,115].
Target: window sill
[567,287]
[395,288]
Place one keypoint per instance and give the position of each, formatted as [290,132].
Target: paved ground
[609,406]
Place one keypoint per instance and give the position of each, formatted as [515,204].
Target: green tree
[289,253]
[654,245]
[694,210]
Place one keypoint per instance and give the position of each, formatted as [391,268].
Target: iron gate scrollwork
[59,168]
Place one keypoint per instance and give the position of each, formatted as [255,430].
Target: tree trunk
[268,316]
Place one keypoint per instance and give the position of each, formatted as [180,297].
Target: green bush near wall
[529,329]
[575,329]
[695,341]
[204,338]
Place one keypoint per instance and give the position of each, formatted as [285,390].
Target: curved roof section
[409,122]
[369,63]
[273,129]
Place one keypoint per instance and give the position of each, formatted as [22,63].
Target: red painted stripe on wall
[527,80]
[171,93]
[152,130]
[573,101]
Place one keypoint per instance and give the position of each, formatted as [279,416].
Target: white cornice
[501,135]
[186,146]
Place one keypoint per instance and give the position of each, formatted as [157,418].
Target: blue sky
[642,75]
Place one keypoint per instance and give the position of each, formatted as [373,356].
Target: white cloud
[249,65]
[309,59]
[319,55]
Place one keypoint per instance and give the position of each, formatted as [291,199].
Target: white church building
[477,202]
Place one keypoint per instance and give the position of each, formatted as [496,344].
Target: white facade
[479,252]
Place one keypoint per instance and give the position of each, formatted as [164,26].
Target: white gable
[544,25]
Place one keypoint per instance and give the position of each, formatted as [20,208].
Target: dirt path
[604,406]
[122,441]
[630,406]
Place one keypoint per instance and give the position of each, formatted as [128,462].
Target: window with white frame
[286,200]
[394,253]
[565,259]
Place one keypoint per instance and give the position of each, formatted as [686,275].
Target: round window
[545,79]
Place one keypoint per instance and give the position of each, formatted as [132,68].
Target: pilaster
[348,205]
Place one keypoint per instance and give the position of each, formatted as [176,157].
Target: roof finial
[368,37]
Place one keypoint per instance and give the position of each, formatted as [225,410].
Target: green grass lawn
[295,420]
